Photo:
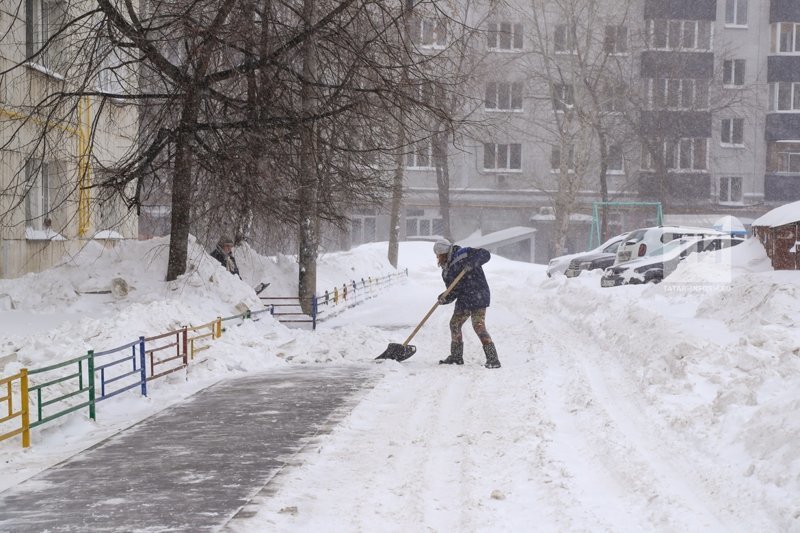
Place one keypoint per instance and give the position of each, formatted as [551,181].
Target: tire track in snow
[625,454]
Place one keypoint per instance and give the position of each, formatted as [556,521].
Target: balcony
[784,11]
[782,187]
[692,188]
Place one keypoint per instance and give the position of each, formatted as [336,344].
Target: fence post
[90,364]
[185,336]
[142,363]
[218,326]
[314,312]
[26,417]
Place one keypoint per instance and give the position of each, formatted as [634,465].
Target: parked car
[663,261]
[642,242]
[560,264]
[595,260]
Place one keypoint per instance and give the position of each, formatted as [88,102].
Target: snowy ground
[656,408]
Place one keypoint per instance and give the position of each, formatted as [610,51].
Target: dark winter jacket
[472,292]
[227,260]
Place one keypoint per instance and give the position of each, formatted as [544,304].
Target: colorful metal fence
[199,337]
[288,309]
[79,373]
[116,374]
[12,413]
[133,365]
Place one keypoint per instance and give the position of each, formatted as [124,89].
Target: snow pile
[107,297]
[667,407]
[721,364]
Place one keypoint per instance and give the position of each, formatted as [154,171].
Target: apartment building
[52,155]
[698,102]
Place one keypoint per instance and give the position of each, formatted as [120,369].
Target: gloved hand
[442,299]
[467,268]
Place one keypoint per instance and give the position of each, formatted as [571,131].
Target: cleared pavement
[193,466]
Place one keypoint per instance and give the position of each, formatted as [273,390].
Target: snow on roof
[785,214]
[513,234]
[46,234]
[107,234]
[574,217]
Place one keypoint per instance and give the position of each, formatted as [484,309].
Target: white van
[642,242]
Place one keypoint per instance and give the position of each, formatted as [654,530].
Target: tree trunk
[393,252]
[443,179]
[397,200]
[182,189]
[308,237]
[603,145]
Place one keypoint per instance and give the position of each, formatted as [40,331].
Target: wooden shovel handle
[425,319]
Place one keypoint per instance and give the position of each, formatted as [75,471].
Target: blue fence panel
[121,368]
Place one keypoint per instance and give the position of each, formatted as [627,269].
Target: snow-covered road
[648,408]
[572,434]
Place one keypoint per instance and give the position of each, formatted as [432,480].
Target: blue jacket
[472,292]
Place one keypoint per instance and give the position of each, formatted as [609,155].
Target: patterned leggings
[478,324]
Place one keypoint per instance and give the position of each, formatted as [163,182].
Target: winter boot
[456,356]
[491,356]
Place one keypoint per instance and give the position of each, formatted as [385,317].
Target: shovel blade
[398,352]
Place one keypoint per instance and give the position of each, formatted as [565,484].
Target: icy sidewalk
[193,466]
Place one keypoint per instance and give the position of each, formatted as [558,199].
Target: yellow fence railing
[11,411]
[197,335]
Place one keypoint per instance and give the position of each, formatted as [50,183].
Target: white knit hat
[442,246]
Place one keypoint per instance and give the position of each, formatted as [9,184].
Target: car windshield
[671,246]
[636,236]
[612,248]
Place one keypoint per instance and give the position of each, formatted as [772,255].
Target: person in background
[224,254]
[471,296]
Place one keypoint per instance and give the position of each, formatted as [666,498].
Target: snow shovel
[401,352]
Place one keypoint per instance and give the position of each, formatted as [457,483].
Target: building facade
[698,104]
[53,146]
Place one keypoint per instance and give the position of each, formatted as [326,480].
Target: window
[687,154]
[502,156]
[613,98]
[43,179]
[363,226]
[428,32]
[115,72]
[563,97]
[667,34]
[564,39]
[422,92]
[785,38]
[504,36]
[783,157]
[682,155]
[44,18]
[730,189]
[733,131]
[616,159]
[616,40]
[736,12]
[557,152]
[733,72]
[784,96]
[685,94]
[419,223]
[421,155]
[504,96]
